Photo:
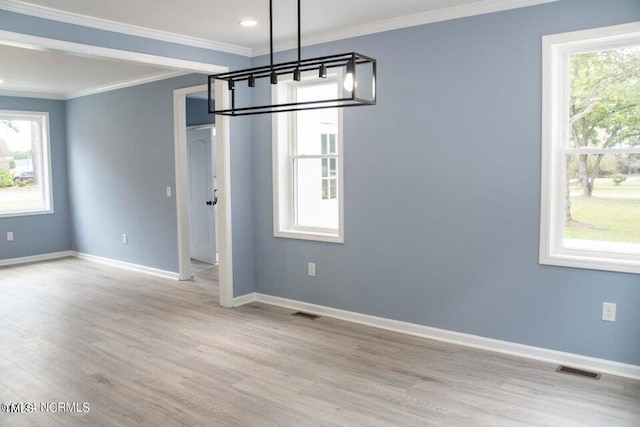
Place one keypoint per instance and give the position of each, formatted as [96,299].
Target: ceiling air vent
[579,372]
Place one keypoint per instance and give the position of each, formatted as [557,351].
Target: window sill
[592,262]
[26,213]
[309,235]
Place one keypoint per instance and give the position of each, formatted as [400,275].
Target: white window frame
[557,50]
[283,128]
[47,179]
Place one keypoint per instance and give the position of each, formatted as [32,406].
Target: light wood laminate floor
[151,351]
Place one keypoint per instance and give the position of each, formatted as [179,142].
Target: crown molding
[125,83]
[37,95]
[118,27]
[28,41]
[447,14]
[95,90]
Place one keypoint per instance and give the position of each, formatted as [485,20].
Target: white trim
[468,340]
[118,27]
[35,258]
[223,166]
[126,265]
[37,95]
[95,90]
[126,83]
[556,51]
[282,135]
[181,174]
[447,14]
[308,235]
[245,299]
[28,41]
[211,126]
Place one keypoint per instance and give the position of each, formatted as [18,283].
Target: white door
[201,192]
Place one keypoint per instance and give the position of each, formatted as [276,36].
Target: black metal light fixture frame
[349,61]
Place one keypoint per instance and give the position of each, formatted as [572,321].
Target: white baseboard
[475,341]
[35,258]
[128,266]
[245,299]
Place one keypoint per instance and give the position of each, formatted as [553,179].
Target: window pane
[325,169]
[333,169]
[22,180]
[312,126]
[325,188]
[604,201]
[605,98]
[311,209]
[334,188]
[332,139]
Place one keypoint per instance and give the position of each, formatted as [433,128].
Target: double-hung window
[590,215]
[25,164]
[307,163]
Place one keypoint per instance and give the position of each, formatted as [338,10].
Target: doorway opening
[202,183]
[202,191]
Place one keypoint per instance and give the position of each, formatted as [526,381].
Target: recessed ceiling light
[248,22]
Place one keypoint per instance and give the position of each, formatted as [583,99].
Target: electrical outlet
[10,236]
[125,239]
[168,191]
[609,311]
[312,269]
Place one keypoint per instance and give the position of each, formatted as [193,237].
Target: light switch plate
[10,236]
[609,311]
[312,269]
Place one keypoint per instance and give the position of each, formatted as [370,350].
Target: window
[307,147]
[590,215]
[25,164]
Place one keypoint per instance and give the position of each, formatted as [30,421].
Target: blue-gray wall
[121,159]
[41,234]
[442,191]
[198,112]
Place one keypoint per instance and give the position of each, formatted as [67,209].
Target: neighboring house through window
[307,153]
[329,164]
[25,164]
[591,149]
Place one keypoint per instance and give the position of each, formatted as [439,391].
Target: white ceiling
[217,20]
[60,76]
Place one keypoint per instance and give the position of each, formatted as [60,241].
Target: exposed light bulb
[373,87]
[349,83]
[1,81]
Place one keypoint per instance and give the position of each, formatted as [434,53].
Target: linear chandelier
[344,65]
